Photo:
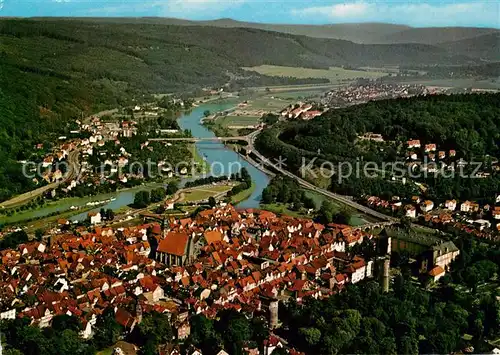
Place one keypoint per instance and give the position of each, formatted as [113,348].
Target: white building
[95,217]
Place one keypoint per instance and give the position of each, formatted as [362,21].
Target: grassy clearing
[267,103]
[302,94]
[357,219]
[243,121]
[334,74]
[202,165]
[203,192]
[243,195]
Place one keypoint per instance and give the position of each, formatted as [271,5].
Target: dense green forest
[466,123]
[407,320]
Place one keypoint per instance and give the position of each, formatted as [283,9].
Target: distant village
[98,142]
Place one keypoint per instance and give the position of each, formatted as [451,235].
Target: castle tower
[385,276]
[273,314]
[138,311]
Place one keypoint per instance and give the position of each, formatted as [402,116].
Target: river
[221,159]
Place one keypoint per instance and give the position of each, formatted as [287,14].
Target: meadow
[229,121]
[334,74]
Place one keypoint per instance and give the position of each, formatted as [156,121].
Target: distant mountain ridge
[365,33]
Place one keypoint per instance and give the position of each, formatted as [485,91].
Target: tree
[69,342]
[203,334]
[343,217]
[141,199]
[326,212]
[107,330]
[311,336]
[63,322]
[235,329]
[14,239]
[154,330]
[110,215]
[172,188]
[39,233]
[158,194]
[206,113]
[212,202]
[270,118]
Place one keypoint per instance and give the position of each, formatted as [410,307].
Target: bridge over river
[202,139]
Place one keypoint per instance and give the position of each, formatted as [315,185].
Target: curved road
[74,169]
[312,187]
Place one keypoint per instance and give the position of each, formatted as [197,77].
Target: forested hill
[54,70]
[367,33]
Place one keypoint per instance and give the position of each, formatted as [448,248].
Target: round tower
[385,276]
[273,314]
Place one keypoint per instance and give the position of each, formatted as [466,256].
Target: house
[175,249]
[271,344]
[357,270]
[441,154]
[183,331]
[427,206]
[95,217]
[436,273]
[430,148]
[414,143]
[411,211]
[169,205]
[444,253]
[452,153]
[311,114]
[468,206]
[213,236]
[496,213]
[9,314]
[450,205]
[482,223]
[125,319]
[413,155]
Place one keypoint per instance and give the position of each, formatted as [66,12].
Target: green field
[267,103]
[357,218]
[203,192]
[334,74]
[243,195]
[202,165]
[301,94]
[239,121]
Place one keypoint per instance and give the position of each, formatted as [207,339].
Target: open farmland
[334,74]
[239,121]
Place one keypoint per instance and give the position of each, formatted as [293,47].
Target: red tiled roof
[174,243]
[213,236]
[438,270]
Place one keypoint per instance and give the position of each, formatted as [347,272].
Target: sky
[479,13]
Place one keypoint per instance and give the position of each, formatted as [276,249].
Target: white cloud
[416,14]
[338,10]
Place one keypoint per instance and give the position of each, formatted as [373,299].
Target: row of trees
[62,337]
[143,198]
[283,189]
[231,330]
